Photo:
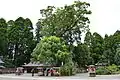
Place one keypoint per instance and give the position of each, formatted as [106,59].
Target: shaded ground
[83,76]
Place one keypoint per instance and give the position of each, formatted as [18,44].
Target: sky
[104,19]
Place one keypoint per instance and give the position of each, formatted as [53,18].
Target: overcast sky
[105,16]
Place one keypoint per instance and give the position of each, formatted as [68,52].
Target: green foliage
[117,56]
[16,41]
[96,47]
[95,44]
[38,32]
[102,71]
[112,69]
[20,40]
[67,22]
[81,55]
[51,50]
[68,69]
[111,43]
[3,37]
[88,38]
[103,49]
[108,56]
[8,63]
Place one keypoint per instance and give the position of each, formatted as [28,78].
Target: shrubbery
[67,70]
[112,69]
[102,71]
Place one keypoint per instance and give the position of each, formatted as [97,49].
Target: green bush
[102,71]
[67,70]
[8,63]
[112,69]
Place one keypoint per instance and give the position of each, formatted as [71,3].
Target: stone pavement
[83,76]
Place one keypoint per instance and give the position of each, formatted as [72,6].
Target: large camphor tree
[67,22]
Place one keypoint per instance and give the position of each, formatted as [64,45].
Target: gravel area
[83,76]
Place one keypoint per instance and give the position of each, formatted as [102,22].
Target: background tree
[38,31]
[96,47]
[117,56]
[88,39]
[20,40]
[3,37]
[111,43]
[95,44]
[82,55]
[108,53]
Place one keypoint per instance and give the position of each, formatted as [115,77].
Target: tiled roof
[34,64]
[2,67]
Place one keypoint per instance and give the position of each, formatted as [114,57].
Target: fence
[8,70]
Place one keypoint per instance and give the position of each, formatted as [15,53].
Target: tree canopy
[67,22]
[51,50]
[16,41]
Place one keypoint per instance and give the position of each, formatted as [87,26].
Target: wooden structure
[28,67]
[99,65]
